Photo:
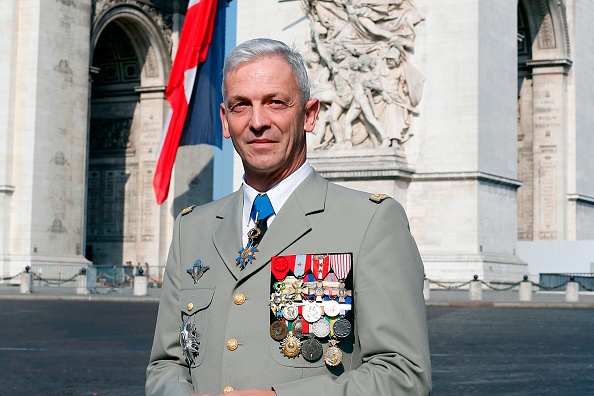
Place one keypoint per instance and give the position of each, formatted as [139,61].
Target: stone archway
[543,66]
[130,65]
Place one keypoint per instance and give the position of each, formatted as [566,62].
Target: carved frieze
[546,33]
[359,68]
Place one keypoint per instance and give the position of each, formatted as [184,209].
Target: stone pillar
[475,290]
[525,293]
[44,107]
[26,282]
[427,289]
[549,148]
[572,290]
[140,285]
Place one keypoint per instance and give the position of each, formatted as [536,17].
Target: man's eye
[237,107]
[278,104]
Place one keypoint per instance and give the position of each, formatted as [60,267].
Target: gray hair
[259,48]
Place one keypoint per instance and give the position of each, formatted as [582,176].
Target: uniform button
[190,306]
[227,389]
[239,298]
[232,344]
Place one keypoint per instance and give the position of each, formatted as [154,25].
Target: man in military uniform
[291,285]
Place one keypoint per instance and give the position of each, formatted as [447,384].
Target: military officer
[291,285]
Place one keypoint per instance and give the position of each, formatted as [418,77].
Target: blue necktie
[261,210]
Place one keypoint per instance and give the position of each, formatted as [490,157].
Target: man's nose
[259,119]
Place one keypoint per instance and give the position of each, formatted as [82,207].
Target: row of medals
[294,342]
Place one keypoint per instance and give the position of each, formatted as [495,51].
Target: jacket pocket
[193,304]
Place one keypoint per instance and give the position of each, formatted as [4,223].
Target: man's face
[266,120]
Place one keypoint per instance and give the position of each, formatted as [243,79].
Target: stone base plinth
[375,170]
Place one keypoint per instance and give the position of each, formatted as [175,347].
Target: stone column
[48,141]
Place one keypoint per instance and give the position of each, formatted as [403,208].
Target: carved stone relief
[359,70]
[546,33]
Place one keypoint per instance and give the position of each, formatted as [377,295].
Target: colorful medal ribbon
[341,264]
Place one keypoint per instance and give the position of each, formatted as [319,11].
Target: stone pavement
[56,342]
[438,297]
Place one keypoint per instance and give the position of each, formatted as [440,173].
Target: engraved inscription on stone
[148,204]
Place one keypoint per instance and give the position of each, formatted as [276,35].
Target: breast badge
[197,270]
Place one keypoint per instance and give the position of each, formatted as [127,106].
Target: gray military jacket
[388,353]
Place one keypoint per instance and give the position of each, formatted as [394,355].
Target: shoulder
[358,197]
[208,209]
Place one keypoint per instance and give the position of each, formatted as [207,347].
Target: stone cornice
[147,90]
[6,189]
[361,164]
[464,176]
[548,66]
[579,198]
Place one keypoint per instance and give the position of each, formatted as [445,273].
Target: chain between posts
[510,285]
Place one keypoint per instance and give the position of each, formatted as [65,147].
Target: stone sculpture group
[359,70]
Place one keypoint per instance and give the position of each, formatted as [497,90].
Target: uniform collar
[278,194]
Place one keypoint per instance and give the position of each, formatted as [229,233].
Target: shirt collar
[278,194]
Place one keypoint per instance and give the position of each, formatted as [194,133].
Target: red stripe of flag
[195,39]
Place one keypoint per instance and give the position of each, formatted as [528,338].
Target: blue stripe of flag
[203,124]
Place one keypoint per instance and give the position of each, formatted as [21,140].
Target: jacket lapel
[227,237]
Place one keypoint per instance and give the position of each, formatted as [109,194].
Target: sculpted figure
[377,86]
[364,81]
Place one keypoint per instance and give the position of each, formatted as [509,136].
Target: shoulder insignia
[187,210]
[378,198]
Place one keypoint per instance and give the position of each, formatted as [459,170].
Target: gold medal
[290,346]
[333,355]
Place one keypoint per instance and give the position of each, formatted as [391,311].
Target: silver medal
[290,312]
[321,328]
[311,312]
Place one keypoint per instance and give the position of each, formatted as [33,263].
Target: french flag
[194,88]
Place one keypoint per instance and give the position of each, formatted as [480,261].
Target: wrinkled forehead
[260,60]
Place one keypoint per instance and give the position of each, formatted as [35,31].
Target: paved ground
[56,343]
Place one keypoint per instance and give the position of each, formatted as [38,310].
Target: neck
[263,182]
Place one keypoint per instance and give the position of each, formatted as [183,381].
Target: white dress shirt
[278,194]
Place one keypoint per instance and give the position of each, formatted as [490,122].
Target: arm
[389,316]
[167,372]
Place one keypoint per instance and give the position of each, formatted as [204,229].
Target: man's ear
[312,108]
[224,122]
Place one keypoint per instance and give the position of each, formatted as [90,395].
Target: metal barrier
[63,275]
[97,276]
[558,281]
[547,282]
